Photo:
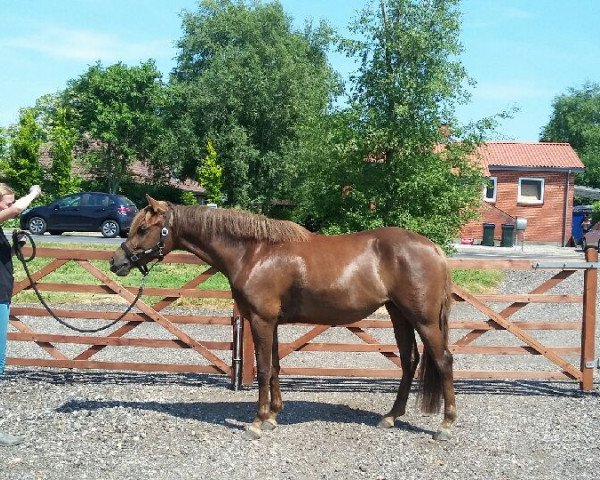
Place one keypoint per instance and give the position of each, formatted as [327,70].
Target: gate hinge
[593,363]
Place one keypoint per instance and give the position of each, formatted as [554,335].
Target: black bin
[508,235]
[488,234]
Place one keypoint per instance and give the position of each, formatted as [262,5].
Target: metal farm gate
[497,325]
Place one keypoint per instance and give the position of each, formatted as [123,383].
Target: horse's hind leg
[409,359]
[437,378]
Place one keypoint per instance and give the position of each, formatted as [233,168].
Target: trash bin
[508,235]
[488,234]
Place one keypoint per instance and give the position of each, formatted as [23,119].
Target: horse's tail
[430,378]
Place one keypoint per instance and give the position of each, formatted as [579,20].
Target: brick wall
[544,222]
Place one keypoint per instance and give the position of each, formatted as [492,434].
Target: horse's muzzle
[120,266]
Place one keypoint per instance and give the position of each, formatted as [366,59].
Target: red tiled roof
[142,172]
[534,155]
[139,170]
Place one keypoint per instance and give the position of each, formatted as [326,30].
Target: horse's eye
[142,230]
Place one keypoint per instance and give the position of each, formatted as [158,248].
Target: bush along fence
[552,335]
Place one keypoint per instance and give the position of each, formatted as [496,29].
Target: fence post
[588,327]
[236,351]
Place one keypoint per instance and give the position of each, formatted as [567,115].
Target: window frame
[485,190]
[528,200]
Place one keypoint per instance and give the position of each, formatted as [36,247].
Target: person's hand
[36,190]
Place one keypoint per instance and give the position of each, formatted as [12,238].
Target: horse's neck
[219,252]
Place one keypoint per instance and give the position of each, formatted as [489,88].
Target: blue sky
[521,53]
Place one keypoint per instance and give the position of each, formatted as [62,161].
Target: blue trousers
[4,309]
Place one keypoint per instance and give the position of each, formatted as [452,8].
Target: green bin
[488,234]
[508,235]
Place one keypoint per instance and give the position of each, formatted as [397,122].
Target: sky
[521,53]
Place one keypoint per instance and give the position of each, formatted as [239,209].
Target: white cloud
[85,45]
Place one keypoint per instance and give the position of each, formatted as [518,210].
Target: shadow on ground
[237,414]
[300,384]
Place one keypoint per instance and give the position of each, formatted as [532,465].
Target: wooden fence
[122,336]
[233,354]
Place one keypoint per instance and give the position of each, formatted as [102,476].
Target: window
[71,201]
[531,190]
[489,192]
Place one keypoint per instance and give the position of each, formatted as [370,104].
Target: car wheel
[37,225]
[109,228]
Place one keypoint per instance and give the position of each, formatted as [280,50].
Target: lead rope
[24,261]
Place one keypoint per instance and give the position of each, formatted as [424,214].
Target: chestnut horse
[280,272]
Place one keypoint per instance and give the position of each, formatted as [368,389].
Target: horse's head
[149,238]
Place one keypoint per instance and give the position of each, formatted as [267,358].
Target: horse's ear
[157,205]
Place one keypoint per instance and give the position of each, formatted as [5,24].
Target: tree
[248,82]
[117,112]
[63,138]
[21,169]
[398,155]
[210,175]
[576,120]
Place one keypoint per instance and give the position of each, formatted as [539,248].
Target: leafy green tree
[248,81]
[116,110]
[4,142]
[397,154]
[576,120]
[210,175]
[62,141]
[21,169]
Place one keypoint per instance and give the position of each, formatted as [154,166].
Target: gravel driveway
[98,425]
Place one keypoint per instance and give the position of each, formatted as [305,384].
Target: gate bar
[568,265]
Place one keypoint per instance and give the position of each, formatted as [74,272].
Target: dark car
[107,213]
[591,238]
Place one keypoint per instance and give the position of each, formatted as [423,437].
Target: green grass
[169,275]
[478,281]
[164,275]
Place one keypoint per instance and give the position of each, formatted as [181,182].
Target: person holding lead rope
[9,208]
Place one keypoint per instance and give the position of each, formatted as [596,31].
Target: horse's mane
[238,224]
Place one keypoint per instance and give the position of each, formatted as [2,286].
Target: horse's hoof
[251,433]
[268,425]
[386,422]
[442,435]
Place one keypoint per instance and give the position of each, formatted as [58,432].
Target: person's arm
[21,204]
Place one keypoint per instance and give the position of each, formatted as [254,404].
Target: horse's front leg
[276,400]
[262,334]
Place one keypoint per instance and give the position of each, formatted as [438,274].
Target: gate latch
[593,363]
